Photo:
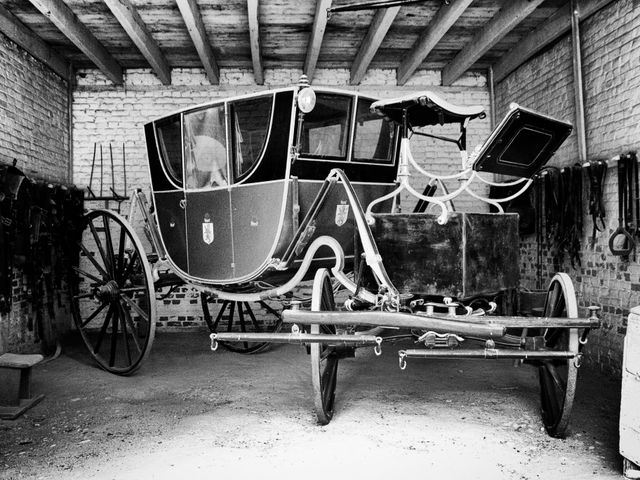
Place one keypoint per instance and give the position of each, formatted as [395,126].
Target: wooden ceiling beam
[26,38]
[375,35]
[510,15]
[446,16]
[69,24]
[317,34]
[130,20]
[193,20]
[554,27]
[254,39]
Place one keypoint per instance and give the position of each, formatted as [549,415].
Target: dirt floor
[193,413]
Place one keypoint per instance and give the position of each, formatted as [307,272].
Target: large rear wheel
[324,358]
[113,297]
[558,376]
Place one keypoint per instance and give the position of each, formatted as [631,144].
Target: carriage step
[15,378]
[493,353]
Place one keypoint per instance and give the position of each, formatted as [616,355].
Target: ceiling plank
[509,16]
[446,16]
[556,26]
[254,39]
[26,38]
[193,20]
[317,34]
[130,20]
[69,24]
[372,41]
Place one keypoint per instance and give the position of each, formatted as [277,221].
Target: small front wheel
[324,358]
[558,376]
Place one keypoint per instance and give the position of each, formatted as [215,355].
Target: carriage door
[208,205]
[169,194]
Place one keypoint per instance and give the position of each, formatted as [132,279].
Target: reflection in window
[374,136]
[205,149]
[249,127]
[170,144]
[325,131]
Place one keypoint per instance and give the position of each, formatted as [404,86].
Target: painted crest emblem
[207,230]
[342,212]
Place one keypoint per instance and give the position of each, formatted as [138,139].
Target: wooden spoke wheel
[240,316]
[324,359]
[113,297]
[558,376]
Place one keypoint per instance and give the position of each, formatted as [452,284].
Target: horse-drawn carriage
[255,194]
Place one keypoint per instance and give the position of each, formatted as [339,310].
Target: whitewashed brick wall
[611,69]
[34,130]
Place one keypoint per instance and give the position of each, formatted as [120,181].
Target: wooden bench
[15,384]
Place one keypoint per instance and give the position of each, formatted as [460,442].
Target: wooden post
[577,82]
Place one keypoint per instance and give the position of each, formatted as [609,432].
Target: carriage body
[233,179]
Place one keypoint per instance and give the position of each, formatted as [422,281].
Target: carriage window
[205,150]
[170,144]
[249,127]
[374,137]
[325,131]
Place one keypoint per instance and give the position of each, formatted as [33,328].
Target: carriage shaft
[299,338]
[395,320]
[488,353]
[510,321]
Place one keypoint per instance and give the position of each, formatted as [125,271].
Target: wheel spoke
[109,246]
[89,276]
[93,315]
[553,403]
[95,263]
[136,307]
[132,327]
[232,311]
[243,328]
[103,330]
[254,322]
[120,266]
[129,268]
[114,337]
[125,338]
[96,238]
[225,304]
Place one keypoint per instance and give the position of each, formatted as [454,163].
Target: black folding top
[425,108]
[522,143]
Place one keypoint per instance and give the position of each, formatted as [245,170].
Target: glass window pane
[205,148]
[374,137]
[325,131]
[170,144]
[250,124]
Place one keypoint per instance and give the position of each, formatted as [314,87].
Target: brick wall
[34,130]
[104,115]
[611,69]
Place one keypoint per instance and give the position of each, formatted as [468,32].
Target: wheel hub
[108,292]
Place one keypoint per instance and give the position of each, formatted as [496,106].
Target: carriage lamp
[306,99]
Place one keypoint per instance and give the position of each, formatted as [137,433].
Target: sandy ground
[192,413]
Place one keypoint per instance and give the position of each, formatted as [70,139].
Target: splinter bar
[329,339]
[488,353]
